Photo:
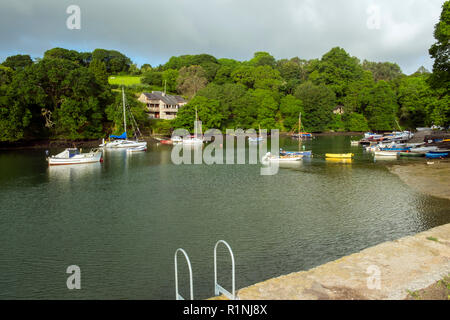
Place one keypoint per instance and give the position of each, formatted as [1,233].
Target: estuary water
[122,220]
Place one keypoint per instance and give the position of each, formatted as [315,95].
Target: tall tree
[318,103]
[440,51]
[18,62]
[190,80]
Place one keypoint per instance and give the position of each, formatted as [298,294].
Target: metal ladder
[218,289]
[177,295]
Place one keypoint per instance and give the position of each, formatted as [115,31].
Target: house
[339,110]
[161,105]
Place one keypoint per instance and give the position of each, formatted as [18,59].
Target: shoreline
[431,179]
[93,143]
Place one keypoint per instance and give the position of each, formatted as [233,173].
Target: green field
[124,80]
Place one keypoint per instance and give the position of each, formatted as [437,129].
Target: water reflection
[66,173]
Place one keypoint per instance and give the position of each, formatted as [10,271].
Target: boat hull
[82,159]
[339,155]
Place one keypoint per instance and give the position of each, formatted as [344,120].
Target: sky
[151,31]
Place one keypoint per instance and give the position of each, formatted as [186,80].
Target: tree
[290,108]
[115,61]
[190,80]
[98,68]
[262,59]
[71,55]
[114,112]
[383,70]
[440,51]
[170,77]
[318,103]
[18,62]
[355,122]
[381,107]
[152,77]
[336,70]
[208,113]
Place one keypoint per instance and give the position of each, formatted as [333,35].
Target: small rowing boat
[339,155]
[411,154]
[436,155]
[386,154]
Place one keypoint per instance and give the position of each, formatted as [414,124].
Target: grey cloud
[152,31]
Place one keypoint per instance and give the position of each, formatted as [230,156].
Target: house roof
[167,99]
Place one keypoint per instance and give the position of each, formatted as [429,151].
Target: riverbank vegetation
[72,95]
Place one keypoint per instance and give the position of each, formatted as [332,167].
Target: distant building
[339,110]
[161,105]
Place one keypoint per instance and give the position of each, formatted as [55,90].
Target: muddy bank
[429,177]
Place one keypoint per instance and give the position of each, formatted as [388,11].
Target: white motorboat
[137,149]
[121,142]
[74,156]
[268,157]
[386,154]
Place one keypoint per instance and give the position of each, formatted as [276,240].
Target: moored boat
[411,154]
[386,154]
[74,156]
[436,155]
[339,155]
[281,158]
[137,149]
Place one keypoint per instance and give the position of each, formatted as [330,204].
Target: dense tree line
[66,93]
[63,95]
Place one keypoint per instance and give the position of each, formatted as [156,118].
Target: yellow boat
[339,155]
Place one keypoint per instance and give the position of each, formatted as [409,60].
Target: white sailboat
[259,138]
[194,140]
[121,142]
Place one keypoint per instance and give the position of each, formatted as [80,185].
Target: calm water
[121,221]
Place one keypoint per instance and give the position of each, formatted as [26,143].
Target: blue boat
[303,153]
[395,149]
[436,155]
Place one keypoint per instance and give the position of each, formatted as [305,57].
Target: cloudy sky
[151,31]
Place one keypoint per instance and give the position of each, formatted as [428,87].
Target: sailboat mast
[299,122]
[124,113]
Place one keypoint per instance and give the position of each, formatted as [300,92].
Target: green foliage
[318,103]
[383,70]
[381,107]
[18,62]
[170,77]
[160,126]
[440,51]
[336,70]
[152,77]
[190,80]
[208,113]
[262,59]
[290,109]
[81,58]
[114,112]
[356,122]
[115,61]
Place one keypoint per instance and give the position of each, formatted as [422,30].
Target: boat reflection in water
[339,160]
[73,172]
